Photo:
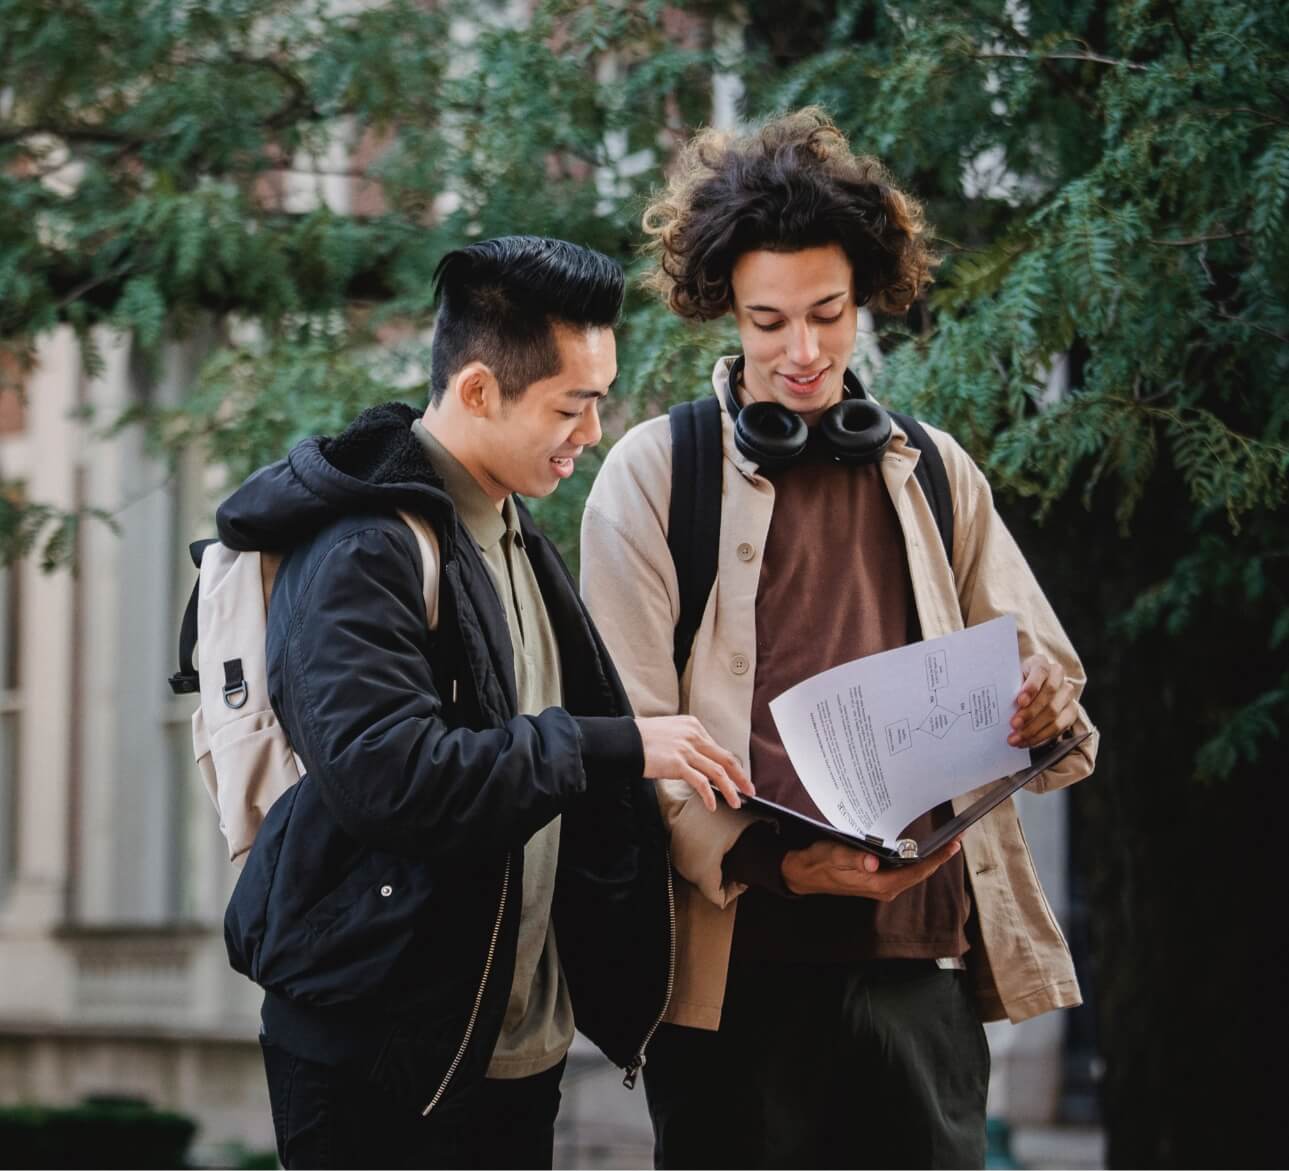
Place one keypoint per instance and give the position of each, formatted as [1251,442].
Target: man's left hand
[1045,704]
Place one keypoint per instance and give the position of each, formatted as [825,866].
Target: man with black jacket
[474,859]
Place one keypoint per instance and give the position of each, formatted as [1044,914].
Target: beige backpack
[242,752]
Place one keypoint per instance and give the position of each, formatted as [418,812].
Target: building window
[10,722]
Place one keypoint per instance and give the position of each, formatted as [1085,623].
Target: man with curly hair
[826,1011]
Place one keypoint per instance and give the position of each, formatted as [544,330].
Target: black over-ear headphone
[855,431]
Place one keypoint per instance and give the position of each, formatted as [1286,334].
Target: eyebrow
[585,394]
[821,301]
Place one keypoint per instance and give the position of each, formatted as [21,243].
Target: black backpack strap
[932,476]
[186,680]
[694,514]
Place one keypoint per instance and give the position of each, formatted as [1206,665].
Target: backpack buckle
[182,684]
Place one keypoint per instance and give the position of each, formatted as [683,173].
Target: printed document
[879,741]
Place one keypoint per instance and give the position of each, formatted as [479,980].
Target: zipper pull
[633,1071]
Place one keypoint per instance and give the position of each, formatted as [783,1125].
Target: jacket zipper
[478,996]
[637,1062]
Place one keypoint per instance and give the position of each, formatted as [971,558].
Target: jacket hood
[375,465]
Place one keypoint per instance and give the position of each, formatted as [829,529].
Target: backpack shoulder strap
[694,514]
[427,543]
[185,680]
[931,474]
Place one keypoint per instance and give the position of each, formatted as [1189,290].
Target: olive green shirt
[538,1026]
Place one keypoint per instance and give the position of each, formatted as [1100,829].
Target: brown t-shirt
[834,587]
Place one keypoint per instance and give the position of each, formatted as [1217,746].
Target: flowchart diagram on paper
[878,740]
[950,708]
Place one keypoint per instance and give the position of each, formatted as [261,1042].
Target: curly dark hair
[792,184]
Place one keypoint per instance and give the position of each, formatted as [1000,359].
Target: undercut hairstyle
[792,184]
[499,301]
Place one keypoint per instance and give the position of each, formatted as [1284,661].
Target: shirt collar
[477,511]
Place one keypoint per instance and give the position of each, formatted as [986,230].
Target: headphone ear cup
[855,431]
[771,435]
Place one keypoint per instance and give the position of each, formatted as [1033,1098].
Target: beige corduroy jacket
[1020,961]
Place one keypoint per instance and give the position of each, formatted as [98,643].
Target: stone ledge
[179,931]
[34,1029]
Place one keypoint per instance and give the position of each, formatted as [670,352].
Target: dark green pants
[826,1066]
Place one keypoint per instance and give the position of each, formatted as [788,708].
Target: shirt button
[739,664]
[745,552]
[386,891]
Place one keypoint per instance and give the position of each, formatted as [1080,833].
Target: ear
[476,388]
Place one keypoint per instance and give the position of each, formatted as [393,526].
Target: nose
[588,431]
[803,344]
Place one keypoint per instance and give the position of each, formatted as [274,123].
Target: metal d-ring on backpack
[242,752]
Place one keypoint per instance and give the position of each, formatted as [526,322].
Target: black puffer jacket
[384,885]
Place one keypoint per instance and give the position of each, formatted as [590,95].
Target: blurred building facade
[113,875]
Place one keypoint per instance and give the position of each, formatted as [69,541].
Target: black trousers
[325,1117]
[826,1066]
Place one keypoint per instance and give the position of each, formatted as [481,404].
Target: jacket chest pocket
[481,653]
[464,673]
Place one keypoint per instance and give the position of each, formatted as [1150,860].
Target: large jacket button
[745,551]
[739,664]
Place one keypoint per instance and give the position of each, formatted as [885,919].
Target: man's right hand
[679,748]
[829,868]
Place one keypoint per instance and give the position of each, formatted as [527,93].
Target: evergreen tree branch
[1266,331]
[83,133]
[1187,241]
[1095,58]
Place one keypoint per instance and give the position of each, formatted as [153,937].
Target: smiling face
[796,317]
[529,444]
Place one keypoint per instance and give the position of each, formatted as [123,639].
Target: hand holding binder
[826,867]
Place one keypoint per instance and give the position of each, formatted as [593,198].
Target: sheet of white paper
[879,741]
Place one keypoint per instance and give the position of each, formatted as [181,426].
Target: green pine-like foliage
[1109,186]
[1140,231]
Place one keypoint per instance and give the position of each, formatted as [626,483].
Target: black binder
[798,830]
